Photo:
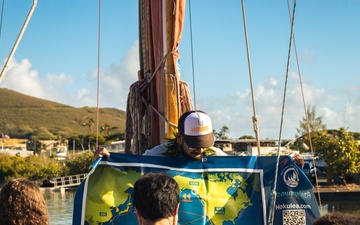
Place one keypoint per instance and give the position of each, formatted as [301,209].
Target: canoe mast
[157,99]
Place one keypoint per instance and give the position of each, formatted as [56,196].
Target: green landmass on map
[214,198]
[223,195]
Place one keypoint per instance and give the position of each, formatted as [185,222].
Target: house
[15,146]
[249,147]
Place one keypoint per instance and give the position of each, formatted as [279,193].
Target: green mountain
[25,116]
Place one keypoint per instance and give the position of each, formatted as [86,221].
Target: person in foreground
[195,139]
[22,204]
[156,198]
[338,218]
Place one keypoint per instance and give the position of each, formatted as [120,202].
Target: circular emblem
[291,177]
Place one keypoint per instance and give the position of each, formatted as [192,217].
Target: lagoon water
[352,207]
[60,206]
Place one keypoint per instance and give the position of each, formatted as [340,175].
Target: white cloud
[21,78]
[339,108]
[236,111]
[116,80]
[79,90]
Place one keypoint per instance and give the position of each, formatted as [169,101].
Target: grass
[23,115]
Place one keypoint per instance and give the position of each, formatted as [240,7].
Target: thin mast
[18,40]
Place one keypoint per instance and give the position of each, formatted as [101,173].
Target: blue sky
[57,58]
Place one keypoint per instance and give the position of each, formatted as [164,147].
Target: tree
[247,137]
[107,129]
[80,163]
[223,133]
[339,150]
[309,123]
[90,123]
[315,123]
[61,140]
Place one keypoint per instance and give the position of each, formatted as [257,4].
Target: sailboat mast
[174,17]
[154,100]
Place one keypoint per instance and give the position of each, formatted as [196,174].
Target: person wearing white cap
[195,138]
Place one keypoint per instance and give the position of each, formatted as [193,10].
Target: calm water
[60,206]
[342,206]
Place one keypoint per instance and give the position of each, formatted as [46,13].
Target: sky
[57,59]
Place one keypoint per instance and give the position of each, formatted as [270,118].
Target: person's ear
[176,211]
[179,138]
[138,215]
[176,215]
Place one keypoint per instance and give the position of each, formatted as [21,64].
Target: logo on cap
[201,122]
[197,123]
[196,128]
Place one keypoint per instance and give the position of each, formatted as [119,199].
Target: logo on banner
[291,177]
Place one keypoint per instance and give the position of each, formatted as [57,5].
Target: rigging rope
[306,114]
[192,55]
[12,52]
[273,195]
[1,18]
[98,80]
[135,108]
[255,120]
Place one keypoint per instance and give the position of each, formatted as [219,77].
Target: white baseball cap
[196,128]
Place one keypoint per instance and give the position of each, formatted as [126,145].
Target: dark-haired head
[156,196]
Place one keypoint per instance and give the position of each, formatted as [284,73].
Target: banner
[216,190]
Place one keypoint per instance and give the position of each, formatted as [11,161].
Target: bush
[32,167]
[80,163]
[40,168]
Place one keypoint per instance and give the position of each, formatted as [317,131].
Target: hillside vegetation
[30,117]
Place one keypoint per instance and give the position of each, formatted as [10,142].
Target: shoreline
[349,192]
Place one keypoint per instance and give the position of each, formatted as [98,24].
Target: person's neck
[166,221]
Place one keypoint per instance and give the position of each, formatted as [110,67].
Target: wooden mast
[154,100]
[173,14]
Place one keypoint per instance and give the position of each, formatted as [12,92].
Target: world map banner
[216,190]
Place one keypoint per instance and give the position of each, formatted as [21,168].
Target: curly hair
[22,204]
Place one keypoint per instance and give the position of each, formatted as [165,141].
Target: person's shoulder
[217,151]
[158,150]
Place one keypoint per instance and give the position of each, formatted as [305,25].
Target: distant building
[116,146]
[249,147]
[54,148]
[15,146]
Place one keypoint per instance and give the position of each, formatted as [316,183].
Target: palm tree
[90,123]
[223,133]
[107,129]
[83,124]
